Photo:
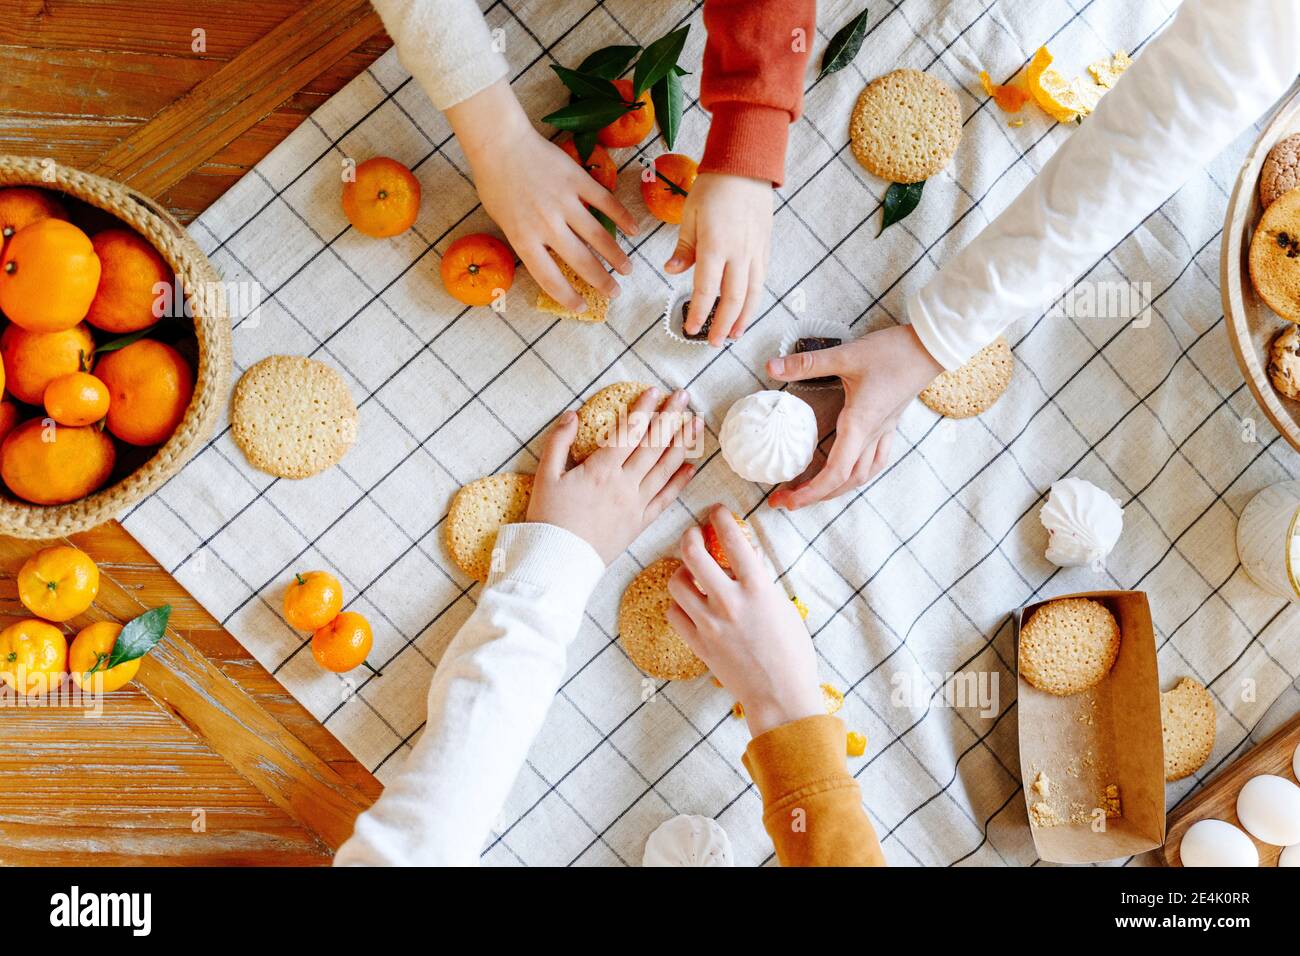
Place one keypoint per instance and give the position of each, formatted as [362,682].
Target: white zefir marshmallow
[769,437]
[1083,523]
[688,840]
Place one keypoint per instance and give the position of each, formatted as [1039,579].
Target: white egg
[1216,843]
[1290,856]
[1269,808]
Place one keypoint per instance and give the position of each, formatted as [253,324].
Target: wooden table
[205,759]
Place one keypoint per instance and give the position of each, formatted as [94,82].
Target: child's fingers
[669,492]
[802,365]
[744,559]
[548,276]
[594,194]
[663,428]
[735,279]
[627,430]
[708,276]
[586,226]
[753,296]
[680,622]
[580,258]
[712,579]
[672,457]
[849,444]
[688,597]
[683,256]
[555,452]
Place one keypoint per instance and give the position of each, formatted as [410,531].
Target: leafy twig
[844,46]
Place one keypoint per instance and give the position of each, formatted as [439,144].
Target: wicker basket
[212,377]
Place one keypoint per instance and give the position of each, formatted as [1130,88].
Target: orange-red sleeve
[812,808]
[752,83]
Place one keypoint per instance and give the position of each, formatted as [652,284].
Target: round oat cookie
[599,413]
[1281,172]
[645,632]
[974,387]
[1275,256]
[1187,723]
[292,416]
[477,513]
[1284,362]
[1068,646]
[905,126]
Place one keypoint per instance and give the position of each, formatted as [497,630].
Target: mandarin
[58,583]
[33,656]
[477,268]
[54,464]
[8,418]
[34,359]
[599,165]
[665,189]
[131,270]
[91,649]
[384,198]
[312,600]
[634,125]
[77,398]
[48,276]
[149,387]
[21,206]
[343,643]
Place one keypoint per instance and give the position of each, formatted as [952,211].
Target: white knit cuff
[556,562]
[941,346]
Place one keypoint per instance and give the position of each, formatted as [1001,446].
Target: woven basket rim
[211,329]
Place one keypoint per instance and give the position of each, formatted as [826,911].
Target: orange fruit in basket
[665,190]
[149,388]
[343,643]
[21,206]
[33,656]
[34,359]
[89,653]
[383,200]
[48,276]
[312,600]
[58,583]
[54,464]
[78,398]
[130,269]
[477,268]
[634,125]
[599,164]
[8,418]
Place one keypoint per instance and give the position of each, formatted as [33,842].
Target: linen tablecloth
[908,581]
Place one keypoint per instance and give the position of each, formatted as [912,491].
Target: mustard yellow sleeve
[812,808]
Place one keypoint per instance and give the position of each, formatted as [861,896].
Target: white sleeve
[445,45]
[489,697]
[1216,69]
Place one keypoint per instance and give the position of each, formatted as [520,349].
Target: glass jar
[1268,539]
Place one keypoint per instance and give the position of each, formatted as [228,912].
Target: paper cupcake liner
[812,327]
[673,320]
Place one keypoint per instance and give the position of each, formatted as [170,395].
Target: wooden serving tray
[1251,324]
[1218,800]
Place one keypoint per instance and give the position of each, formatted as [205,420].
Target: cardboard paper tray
[1109,734]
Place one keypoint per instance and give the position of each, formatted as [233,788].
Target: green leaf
[585,141]
[139,636]
[585,85]
[608,61]
[605,221]
[680,72]
[659,58]
[844,46]
[667,98]
[900,200]
[587,114]
[112,345]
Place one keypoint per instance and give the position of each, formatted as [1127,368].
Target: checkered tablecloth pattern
[912,578]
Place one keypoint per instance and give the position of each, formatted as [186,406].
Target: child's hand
[613,496]
[882,372]
[535,193]
[747,630]
[726,226]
